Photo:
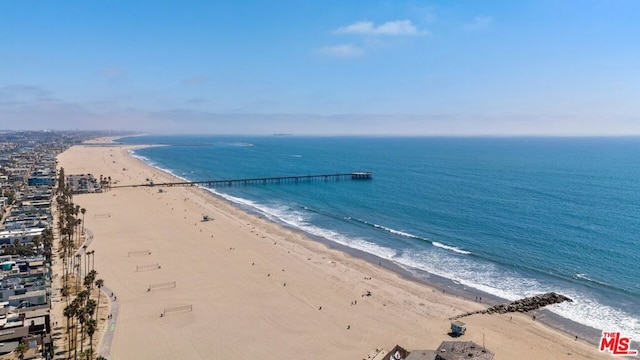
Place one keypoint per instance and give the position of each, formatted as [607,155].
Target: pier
[357,175]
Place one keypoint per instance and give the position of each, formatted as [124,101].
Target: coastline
[567,326]
[557,322]
[416,296]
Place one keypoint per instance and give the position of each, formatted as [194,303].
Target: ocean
[511,217]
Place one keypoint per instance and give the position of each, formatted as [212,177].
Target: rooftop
[458,350]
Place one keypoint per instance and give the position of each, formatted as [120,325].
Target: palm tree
[47,242]
[69,312]
[61,181]
[91,329]
[79,302]
[64,245]
[82,297]
[88,282]
[37,241]
[99,285]
[65,292]
[86,355]
[91,306]
[86,259]
[21,350]
[92,275]
[83,211]
[77,223]
[81,314]
[93,258]
[79,266]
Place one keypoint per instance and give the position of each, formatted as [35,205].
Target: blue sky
[322,67]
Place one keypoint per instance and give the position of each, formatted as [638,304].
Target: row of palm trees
[81,310]
[82,315]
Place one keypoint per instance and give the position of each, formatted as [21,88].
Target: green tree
[21,350]
[99,285]
[92,277]
[81,314]
[83,211]
[69,312]
[11,197]
[37,241]
[91,326]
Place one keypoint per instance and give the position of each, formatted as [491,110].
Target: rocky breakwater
[522,305]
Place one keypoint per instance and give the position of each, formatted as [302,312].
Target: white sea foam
[488,278]
[155,165]
[397,232]
[242,144]
[588,311]
[484,277]
[140,157]
[452,248]
[412,236]
[299,220]
[587,278]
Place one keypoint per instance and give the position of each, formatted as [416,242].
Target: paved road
[107,338]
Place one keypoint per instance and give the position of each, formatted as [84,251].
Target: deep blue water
[510,216]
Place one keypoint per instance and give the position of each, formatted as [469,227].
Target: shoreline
[409,312]
[435,282]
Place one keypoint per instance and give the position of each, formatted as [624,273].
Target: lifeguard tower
[458,328]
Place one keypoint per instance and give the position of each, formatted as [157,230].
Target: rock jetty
[522,305]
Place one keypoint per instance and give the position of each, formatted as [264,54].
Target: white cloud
[343,50]
[479,22]
[397,27]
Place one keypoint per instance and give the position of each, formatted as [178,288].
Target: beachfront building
[30,327]
[28,299]
[24,304]
[30,214]
[10,237]
[458,350]
[448,350]
[42,177]
[27,179]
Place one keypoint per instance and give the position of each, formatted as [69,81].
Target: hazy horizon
[473,68]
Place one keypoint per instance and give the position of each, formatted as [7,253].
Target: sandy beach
[246,288]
